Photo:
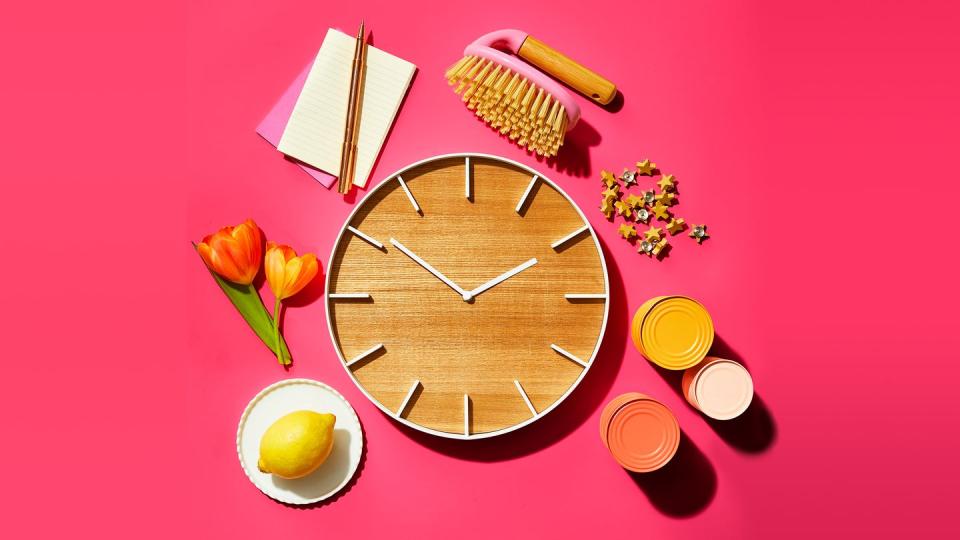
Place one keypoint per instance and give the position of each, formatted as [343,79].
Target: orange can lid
[643,435]
[676,333]
[611,409]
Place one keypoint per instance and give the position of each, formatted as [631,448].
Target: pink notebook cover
[272,126]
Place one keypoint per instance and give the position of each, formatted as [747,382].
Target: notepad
[272,126]
[314,133]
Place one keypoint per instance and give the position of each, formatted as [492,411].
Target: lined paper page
[314,133]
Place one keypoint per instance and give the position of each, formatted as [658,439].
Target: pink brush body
[488,47]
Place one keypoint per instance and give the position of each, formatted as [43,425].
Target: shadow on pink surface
[343,491]
[685,486]
[752,432]
[570,414]
[615,104]
[356,192]
[574,157]
[755,430]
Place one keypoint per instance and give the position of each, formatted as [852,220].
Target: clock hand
[431,269]
[501,278]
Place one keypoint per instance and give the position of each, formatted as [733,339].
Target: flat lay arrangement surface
[721,310]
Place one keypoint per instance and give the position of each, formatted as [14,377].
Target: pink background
[817,139]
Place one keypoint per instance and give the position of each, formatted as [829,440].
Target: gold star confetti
[661,212]
[653,234]
[612,192]
[676,225]
[642,215]
[667,183]
[606,206]
[634,201]
[667,199]
[660,249]
[699,233]
[608,178]
[624,195]
[645,167]
[649,197]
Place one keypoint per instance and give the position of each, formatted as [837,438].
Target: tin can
[641,433]
[673,332]
[719,388]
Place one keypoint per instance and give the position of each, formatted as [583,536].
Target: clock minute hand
[501,278]
[430,269]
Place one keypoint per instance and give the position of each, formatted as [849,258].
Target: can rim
[699,349]
[613,407]
[668,444]
[640,316]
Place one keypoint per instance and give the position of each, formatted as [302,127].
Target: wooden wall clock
[467,295]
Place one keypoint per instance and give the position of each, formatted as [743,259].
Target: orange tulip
[233,252]
[288,274]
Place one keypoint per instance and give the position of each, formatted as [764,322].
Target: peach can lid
[643,435]
[676,333]
[723,389]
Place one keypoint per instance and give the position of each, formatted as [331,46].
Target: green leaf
[247,301]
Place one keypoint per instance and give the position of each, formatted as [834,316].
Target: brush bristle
[510,104]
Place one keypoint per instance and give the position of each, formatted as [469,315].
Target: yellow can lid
[676,333]
[638,318]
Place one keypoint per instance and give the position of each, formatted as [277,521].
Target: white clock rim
[540,414]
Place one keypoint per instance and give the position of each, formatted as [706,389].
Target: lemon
[296,444]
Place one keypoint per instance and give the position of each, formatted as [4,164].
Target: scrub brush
[520,101]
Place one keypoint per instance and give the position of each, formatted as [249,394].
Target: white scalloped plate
[284,397]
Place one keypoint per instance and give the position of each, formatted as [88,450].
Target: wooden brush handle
[567,70]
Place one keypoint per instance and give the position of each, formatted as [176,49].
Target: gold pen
[348,155]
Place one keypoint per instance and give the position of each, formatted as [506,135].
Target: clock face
[467,295]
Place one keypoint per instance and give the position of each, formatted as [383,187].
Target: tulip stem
[276,330]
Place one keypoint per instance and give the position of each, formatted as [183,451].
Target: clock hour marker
[371,240]
[349,296]
[406,400]
[526,194]
[365,354]
[526,399]
[466,179]
[466,415]
[569,237]
[579,296]
[568,354]
[409,195]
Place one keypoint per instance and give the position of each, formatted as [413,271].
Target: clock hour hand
[501,278]
[431,269]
